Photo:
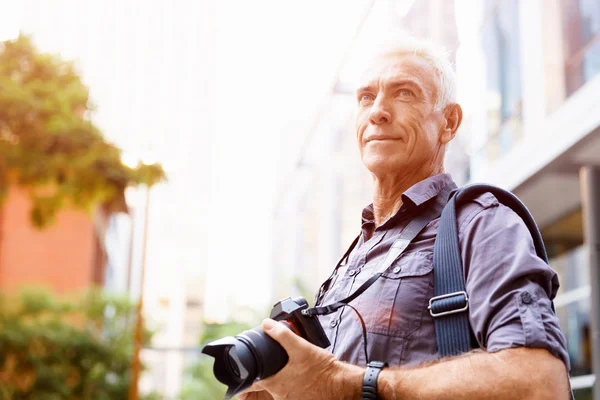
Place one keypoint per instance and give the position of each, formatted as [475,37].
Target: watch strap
[369,388]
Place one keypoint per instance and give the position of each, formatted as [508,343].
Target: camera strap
[408,234]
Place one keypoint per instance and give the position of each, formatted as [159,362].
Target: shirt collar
[427,189]
[416,195]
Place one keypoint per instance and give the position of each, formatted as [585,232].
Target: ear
[453,119]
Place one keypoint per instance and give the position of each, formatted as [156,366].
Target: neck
[387,198]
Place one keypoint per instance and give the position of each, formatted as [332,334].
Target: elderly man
[407,114]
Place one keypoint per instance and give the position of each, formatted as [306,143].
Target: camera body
[253,355]
[289,311]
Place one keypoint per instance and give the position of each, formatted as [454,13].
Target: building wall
[60,257]
[534,120]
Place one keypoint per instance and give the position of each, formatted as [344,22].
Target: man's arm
[519,373]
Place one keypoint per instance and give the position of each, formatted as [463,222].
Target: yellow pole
[136,364]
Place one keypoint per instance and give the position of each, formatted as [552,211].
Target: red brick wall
[60,257]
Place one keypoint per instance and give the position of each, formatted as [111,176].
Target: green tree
[53,348]
[48,146]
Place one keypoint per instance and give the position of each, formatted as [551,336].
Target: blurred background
[193,162]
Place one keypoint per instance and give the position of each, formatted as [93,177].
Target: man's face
[397,125]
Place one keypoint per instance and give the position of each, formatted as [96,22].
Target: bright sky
[239,78]
[275,65]
[210,86]
[10,18]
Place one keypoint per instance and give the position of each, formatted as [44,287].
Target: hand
[258,395]
[310,373]
[262,395]
[255,393]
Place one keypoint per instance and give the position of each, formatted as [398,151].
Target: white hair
[436,56]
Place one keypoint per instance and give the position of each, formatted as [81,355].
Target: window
[193,303]
[581,32]
[572,52]
[573,309]
[575,322]
[583,394]
[501,49]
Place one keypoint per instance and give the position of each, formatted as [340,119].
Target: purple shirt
[509,287]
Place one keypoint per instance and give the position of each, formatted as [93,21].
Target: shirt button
[526,298]
[352,272]
[397,269]
[333,323]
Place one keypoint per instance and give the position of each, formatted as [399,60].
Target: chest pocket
[396,303]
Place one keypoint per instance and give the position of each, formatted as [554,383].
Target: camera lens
[235,364]
[233,368]
[254,355]
[240,360]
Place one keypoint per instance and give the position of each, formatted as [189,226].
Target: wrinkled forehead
[392,67]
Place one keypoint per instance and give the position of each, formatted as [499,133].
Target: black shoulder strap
[450,303]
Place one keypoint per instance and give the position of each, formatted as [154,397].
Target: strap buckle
[455,306]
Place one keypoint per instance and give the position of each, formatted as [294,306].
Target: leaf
[49,145]
[57,348]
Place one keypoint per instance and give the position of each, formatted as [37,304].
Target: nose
[379,115]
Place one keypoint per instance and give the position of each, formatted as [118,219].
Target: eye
[366,98]
[405,93]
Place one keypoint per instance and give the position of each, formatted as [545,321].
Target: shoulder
[484,204]
[487,213]
[495,240]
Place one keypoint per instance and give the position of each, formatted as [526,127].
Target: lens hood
[235,365]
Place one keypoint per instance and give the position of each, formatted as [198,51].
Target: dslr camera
[253,355]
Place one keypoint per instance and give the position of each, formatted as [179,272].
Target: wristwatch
[369,388]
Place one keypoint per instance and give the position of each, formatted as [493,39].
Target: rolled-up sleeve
[510,288]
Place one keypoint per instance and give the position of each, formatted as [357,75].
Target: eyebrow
[393,84]
[406,82]
[365,88]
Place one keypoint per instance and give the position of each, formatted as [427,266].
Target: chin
[380,165]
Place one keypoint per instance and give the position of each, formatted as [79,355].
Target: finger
[255,396]
[289,340]
[254,388]
[255,393]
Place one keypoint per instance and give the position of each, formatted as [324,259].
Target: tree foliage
[58,349]
[49,146]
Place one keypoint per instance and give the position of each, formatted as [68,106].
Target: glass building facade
[568,37]
[572,47]
[504,97]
